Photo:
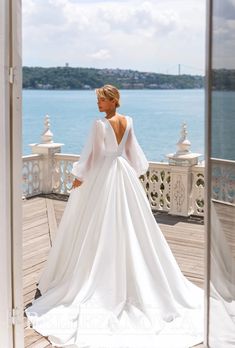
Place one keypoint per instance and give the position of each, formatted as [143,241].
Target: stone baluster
[181,164]
[47,148]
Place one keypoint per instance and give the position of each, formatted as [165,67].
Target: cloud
[102,54]
[225,10]
[224,39]
[143,35]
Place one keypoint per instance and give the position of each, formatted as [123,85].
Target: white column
[6,332]
[181,164]
[11,298]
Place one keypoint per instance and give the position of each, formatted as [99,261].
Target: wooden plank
[37,257]
[51,219]
[31,278]
[29,297]
[59,207]
[36,267]
[35,243]
[36,232]
[32,207]
[34,223]
[35,340]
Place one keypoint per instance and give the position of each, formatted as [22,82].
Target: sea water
[158,116]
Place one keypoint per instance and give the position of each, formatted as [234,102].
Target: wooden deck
[41,217]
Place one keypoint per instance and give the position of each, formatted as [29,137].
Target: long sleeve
[134,153]
[91,153]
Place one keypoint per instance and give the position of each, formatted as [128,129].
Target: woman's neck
[110,114]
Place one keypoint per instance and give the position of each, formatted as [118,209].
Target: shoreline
[122,89]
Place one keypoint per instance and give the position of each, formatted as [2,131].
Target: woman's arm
[135,154]
[90,154]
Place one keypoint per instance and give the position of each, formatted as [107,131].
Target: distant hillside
[223,79]
[89,78]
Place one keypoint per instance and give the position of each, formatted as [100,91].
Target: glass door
[221,175]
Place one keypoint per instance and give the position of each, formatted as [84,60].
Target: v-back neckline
[114,134]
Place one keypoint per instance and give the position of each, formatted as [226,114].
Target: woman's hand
[76,183]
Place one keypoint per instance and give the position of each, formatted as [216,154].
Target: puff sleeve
[134,152]
[92,152]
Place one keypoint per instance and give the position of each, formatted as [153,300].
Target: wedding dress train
[111,279]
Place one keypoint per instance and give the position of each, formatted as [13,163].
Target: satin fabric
[111,279]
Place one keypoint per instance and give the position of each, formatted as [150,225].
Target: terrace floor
[41,216]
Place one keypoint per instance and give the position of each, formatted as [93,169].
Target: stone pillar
[47,148]
[181,164]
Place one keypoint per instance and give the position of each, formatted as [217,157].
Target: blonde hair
[110,92]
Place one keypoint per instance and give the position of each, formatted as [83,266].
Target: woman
[110,278]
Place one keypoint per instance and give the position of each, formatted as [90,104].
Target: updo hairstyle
[110,92]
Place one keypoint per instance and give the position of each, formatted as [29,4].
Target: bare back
[119,124]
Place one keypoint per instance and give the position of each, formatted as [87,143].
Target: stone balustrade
[176,186]
[32,175]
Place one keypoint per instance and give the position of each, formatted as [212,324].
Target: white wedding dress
[111,279]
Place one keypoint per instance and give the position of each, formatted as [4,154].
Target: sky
[153,35]
[224,35]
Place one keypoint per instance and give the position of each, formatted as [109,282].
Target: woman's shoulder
[98,124]
[101,121]
[125,116]
[97,121]
[128,117]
